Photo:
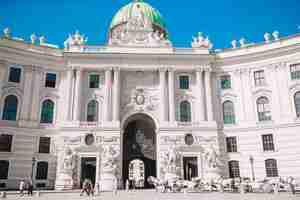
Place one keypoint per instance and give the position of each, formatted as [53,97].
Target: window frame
[8,167]
[268,146]
[259,81]
[45,79]
[261,116]
[297,112]
[231,148]
[101,80]
[274,170]
[97,110]
[232,117]
[180,76]
[221,81]
[21,74]
[232,171]
[37,170]
[39,145]
[190,112]
[11,143]
[54,111]
[3,107]
[294,75]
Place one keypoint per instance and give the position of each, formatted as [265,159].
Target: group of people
[26,186]
[87,188]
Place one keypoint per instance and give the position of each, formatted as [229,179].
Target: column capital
[171,69]
[207,68]
[162,69]
[118,69]
[199,68]
[108,68]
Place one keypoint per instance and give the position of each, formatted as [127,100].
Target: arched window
[234,169]
[10,108]
[271,168]
[4,166]
[185,111]
[92,111]
[228,112]
[297,103]
[42,170]
[47,112]
[263,109]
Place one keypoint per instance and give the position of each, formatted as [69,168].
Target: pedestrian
[115,186]
[21,187]
[30,188]
[292,184]
[85,188]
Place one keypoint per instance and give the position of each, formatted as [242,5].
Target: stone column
[162,86]
[171,95]
[37,84]
[3,73]
[107,105]
[70,90]
[200,115]
[26,102]
[116,95]
[208,94]
[77,95]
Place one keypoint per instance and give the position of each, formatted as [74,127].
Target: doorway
[139,143]
[88,169]
[190,167]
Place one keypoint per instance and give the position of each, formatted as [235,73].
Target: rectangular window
[14,75]
[94,81]
[231,144]
[50,80]
[295,71]
[184,82]
[259,78]
[268,144]
[5,143]
[225,82]
[44,145]
[234,169]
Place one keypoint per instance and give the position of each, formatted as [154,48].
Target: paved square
[152,195]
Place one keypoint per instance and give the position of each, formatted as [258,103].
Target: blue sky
[222,20]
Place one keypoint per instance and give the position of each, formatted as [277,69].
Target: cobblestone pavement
[152,195]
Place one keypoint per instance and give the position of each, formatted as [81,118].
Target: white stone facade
[151,73]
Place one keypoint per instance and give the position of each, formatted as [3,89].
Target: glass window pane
[184,82]
[228,113]
[271,168]
[5,142]
[4,167]
[44,146]
[94,81]
[14,75]
[185,111]
[297,103]
[47,112]
[234,169]
[10,108]
[263,109]
[50,80]
[42,171]
[92,111]
[225,82]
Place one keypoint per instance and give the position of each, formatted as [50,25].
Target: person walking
[21,187]
[127,185]
[292,184]
[30,188]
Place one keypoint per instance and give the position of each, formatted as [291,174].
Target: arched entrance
[139,143]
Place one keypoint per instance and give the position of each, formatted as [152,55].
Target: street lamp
[251,159]
[32,168]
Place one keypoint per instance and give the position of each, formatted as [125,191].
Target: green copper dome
[126,12]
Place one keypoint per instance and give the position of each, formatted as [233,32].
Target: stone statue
[211,157]
[201,42]
[267,37]
[68,160]
[275,34]
[109,160]
[234,44]
[42,40]
[33,38]
[242,42]
[170,160]
[7,32]
[75,40]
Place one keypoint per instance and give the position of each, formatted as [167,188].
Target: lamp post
[32,168]
[251,159]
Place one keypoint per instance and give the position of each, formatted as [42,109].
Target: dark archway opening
[139,142]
